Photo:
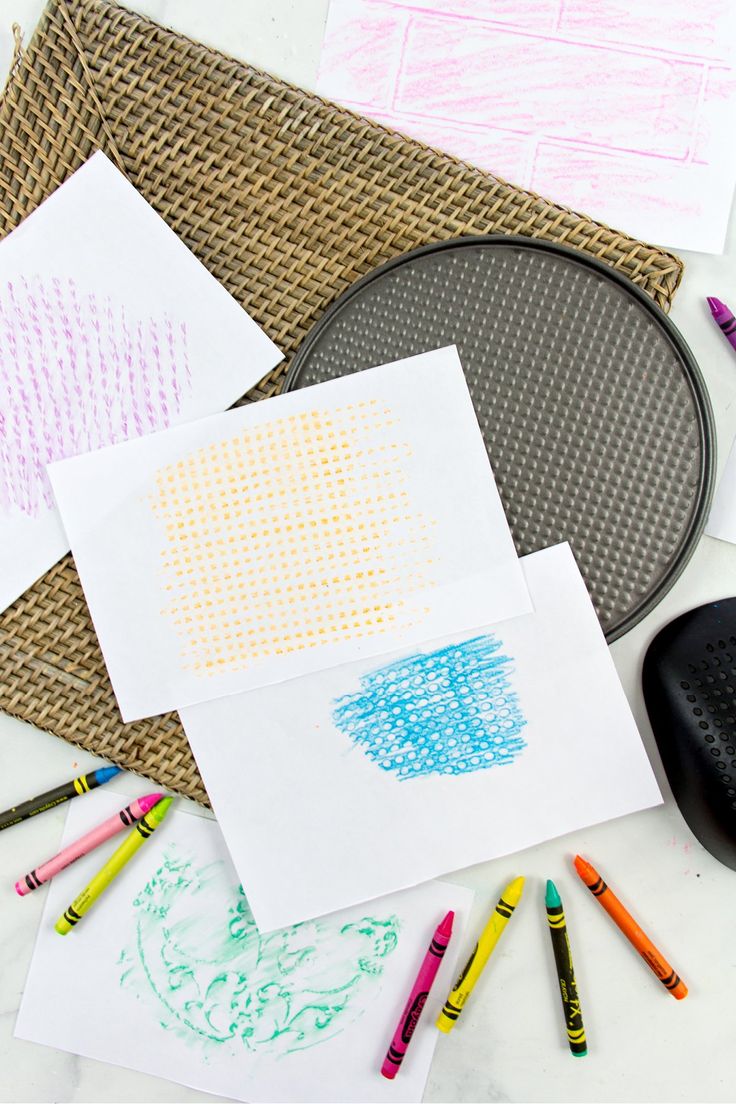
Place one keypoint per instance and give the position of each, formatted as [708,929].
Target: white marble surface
[643,1044]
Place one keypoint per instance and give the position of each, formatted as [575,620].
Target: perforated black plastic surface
[594,413]
[689,682]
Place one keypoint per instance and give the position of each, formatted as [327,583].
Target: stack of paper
[325,585]
[291,536]
[376,689]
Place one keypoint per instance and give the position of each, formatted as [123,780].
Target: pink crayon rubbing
[417,998]
[501,91]
[105,831]
[77,373]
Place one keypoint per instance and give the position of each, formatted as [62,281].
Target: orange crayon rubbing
[289,540]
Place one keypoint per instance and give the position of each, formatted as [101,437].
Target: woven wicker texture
[286,199]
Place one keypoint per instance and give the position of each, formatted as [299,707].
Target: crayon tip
[578,1053]
[445,927]
[104,774]
[161,808]
[389,1070]
[584,869]
[716,306]
[147,802]
[21,889]
[552,897]
[513,891]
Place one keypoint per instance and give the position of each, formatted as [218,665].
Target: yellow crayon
[135,839]
[489,937]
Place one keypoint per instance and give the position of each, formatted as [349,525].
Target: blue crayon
[52,798]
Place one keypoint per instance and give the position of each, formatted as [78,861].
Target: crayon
[724,319]
[417,998]
[102,879]
[625,921]
[52,798]
[105,831]
[488,939]
[565,972]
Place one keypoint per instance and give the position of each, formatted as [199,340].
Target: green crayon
[565,973]
[145,828]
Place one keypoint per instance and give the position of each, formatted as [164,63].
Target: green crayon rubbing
[212,979]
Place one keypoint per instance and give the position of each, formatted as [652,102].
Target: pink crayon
[417,998]
[105,831]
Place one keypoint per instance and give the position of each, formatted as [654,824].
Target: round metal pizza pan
[594,412]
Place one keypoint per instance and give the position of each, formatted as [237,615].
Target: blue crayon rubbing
[452,711]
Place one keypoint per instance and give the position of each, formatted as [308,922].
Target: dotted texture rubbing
[287,200]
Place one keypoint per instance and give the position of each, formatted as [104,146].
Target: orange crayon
[628,925]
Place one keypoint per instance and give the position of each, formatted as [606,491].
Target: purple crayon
[724,318]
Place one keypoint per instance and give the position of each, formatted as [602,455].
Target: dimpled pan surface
[593,410]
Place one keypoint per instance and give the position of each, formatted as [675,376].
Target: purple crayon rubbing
[417,998]
[724,318]
[105,831]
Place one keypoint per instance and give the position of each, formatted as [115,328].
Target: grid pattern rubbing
[291,535]
[287,200]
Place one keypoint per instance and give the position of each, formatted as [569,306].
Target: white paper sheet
[167,974]
[340,521]
[391,771]
[644,146]
[722,520]
[109,328]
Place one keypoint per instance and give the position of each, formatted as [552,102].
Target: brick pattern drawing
[617,108]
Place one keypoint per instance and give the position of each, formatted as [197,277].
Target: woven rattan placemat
[287,200]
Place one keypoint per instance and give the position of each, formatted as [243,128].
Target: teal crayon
[565,973]
[49,800]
